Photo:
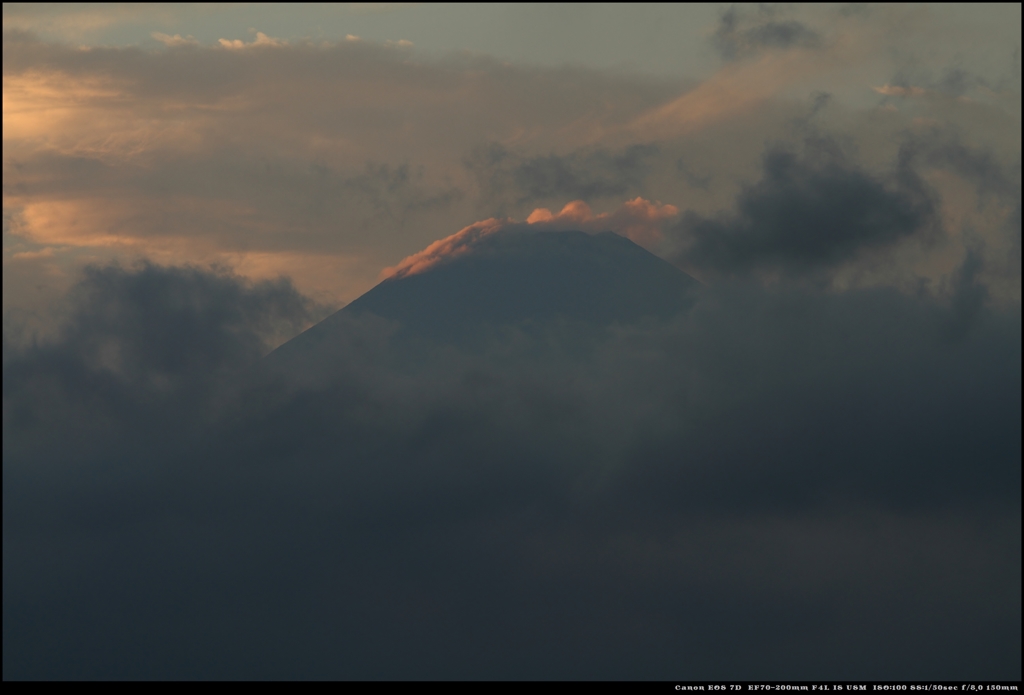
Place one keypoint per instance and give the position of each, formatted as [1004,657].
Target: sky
[827,440]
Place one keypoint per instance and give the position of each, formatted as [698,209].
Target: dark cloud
[994,251]
[978,165]
[737,35]
[583,175]
[693,180]
[810,210]
[956,82]
[772,483]
[384,185]
[142,353]
[389,192]
[819,100]
[952,82]
[1013,225]
[968,295]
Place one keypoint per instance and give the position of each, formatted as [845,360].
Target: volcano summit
[513,279]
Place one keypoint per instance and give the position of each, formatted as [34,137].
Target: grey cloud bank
[766,476]
[811,211]
[765,31]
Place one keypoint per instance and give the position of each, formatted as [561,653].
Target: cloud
[586,175]
[740,35]
[176,40]
[957,82]
[786,477]
[31,255]
[890,90]
[75,24]
[450,247]
[207,154]
[260,40]
[393,191]
[952,82]
[692,179]
[152,318]
[766,453]
[978,165]
[733,92]
[810,211]
[638,220]
[304,153]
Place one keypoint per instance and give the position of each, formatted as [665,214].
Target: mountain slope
[529,281]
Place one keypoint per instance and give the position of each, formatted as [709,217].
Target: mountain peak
[519,278]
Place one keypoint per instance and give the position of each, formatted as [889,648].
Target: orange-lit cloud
[455,245]
[891,90]
[273,160]
[260,40]
[94,117]
[732,90]
[176,40]
[638,220]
